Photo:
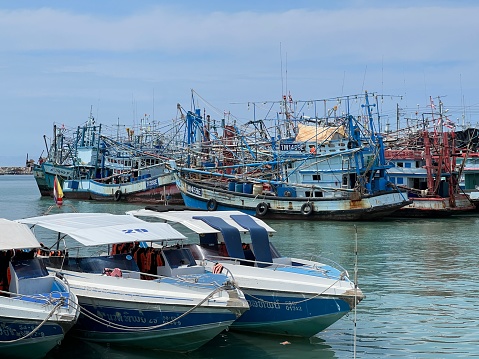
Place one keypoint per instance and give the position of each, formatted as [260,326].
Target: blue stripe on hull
[294,316]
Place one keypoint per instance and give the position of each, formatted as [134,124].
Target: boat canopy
[93,229]
[14,235]
[190,219]
[320,133]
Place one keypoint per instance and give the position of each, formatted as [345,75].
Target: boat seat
[259,239]
[231,235]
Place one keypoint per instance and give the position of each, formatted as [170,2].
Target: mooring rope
[59,304]
[113,325]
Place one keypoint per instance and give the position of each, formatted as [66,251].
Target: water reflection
[227,345]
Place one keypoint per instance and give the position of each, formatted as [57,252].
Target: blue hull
[289,315]
[35,346]
[199,204]
[186,334]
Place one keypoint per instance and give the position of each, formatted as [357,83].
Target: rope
[299,301]
[59,304]
[113,325]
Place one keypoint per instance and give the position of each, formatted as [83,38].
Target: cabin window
[399,180]
[418,164]
[399,164]
[392,179]
[407,165]
[316,177]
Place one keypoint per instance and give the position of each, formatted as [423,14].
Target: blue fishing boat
[332,169]
[37,309]
[122,305]
[92,165]
[287,296]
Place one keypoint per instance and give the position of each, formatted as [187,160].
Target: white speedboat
[119,306]
[287,296]
[36,308]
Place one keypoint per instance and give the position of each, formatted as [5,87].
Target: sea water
[419,278]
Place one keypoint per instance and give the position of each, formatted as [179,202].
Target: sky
[122,59]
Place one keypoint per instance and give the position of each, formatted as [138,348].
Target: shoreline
[15,170]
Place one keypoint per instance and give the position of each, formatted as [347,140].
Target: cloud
[56,63]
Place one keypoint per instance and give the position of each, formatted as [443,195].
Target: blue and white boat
[37,309]
[287,296]
[333,169]
[179,313]
[91,165]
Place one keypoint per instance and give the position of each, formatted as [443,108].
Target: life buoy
[117,195]
[261,209]
[307,209]
[211,205]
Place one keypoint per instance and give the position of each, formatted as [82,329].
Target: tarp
[92,229]
[15,235]
[319,133]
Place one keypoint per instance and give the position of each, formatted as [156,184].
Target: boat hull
[435,207]
[148,190]
[44,340]
[21,317]
[289,313]
[199,196]
[149,314]
[187,334]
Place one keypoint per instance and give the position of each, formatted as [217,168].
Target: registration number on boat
[194,190]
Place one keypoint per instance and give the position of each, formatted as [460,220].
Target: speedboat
[124,306]
[287,296]
[37,308]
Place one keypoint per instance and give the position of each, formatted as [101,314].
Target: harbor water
[418,275]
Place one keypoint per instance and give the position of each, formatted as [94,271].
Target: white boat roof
[92,229]
[14,235]
[186,218]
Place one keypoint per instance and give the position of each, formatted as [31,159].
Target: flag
[57,192]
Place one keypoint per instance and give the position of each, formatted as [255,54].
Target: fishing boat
[287,296]
[332,169]
[93,165]
[424,164]
[120,305]
[37,308]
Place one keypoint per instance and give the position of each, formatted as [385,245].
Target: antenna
[281,62]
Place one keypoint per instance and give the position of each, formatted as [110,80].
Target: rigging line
[217,110]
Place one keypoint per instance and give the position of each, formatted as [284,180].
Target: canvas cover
[14,235]
[320,133]
[198,226]
[92,229]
